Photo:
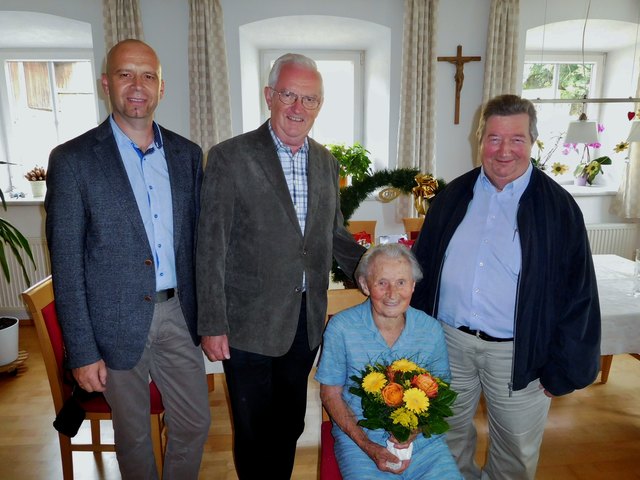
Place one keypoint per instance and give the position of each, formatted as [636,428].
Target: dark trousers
[268,397]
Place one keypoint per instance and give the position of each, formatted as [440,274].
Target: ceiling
[40,30]
[599,36]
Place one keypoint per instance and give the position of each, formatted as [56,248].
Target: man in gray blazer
[269,227]
[122,203]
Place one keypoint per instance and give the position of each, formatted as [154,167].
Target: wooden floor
[593,434]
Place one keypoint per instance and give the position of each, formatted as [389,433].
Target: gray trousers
[516,423]
[176,365]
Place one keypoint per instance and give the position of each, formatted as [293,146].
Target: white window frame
[268,56]
[9,172]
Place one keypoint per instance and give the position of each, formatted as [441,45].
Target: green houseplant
[353,160]
[16,243]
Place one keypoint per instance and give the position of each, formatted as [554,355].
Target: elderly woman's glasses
[289,98]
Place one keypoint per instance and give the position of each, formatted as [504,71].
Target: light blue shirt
[149,178]
[482,262]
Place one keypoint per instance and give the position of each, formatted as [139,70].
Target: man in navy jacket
[508,271]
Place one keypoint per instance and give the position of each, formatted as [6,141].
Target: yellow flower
[559,168]
[404,365]
[402,416]
[540,144]
[374,382]
[592,168]
[621,147]
[416,400]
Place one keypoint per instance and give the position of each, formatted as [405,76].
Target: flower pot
[8,340]
[581,181]
[38,187]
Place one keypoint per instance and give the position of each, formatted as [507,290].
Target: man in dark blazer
[122,203]
[269,227]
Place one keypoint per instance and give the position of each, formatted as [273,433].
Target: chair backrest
[368,226]
[412,226]
[41,304]
[339,299]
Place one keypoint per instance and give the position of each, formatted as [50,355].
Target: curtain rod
[585,100]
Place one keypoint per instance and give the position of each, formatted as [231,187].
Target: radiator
[11,303]
[614,238]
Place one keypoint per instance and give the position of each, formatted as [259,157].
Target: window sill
[590,190]
[28,200]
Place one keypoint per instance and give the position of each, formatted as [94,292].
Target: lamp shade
[634,132]
[582,131]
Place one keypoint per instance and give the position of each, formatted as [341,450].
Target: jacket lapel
[109,160]
[179,187]
[272,168]
[315,182]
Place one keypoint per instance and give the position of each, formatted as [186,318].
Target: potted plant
[353,160]
[37,177]
[17,243]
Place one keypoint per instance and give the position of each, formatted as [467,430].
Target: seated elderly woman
[382,329]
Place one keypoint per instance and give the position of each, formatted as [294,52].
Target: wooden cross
[459,62]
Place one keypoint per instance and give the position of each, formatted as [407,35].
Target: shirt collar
[280,144]
[515,187]
[123,140]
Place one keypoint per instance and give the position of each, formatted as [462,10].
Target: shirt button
[148,262]
[481,264]
[298,289]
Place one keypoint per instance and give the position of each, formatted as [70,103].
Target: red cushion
[96,404]
[328,464]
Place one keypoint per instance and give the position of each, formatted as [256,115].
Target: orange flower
[392,394]
[426,383]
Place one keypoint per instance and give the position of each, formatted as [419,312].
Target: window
[561,77]
[45,103]
[341,120]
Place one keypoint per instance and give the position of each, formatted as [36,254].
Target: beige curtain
[210,106]
[501,64]
[626,203]
[122,20]
[416,139]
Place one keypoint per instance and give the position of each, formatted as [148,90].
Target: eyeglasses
[289,98]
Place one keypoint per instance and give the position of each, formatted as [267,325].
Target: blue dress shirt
[149,177]
[482,262]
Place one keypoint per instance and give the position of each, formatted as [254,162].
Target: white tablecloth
[620,310]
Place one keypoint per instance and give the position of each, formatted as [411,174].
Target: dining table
[619,309]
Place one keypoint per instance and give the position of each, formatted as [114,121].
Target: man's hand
[216,348]
[92,377]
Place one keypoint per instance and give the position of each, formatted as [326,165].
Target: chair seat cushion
[328,464]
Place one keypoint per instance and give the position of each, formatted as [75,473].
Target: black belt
[164,295]
[483,336]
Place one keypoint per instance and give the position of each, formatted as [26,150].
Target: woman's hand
[403,445]
[380,456]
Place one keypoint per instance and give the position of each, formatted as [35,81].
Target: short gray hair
[292,59]
[389,250]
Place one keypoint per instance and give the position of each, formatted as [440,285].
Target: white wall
[461,22]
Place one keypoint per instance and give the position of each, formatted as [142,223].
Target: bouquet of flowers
[402,398]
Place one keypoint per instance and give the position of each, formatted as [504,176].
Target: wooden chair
[368,226]
[337,300]
[40,301]
[412,226]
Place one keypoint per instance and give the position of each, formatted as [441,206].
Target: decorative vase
[38,188]
[8,340]
[581,181]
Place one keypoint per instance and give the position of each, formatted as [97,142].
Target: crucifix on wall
[459,62]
